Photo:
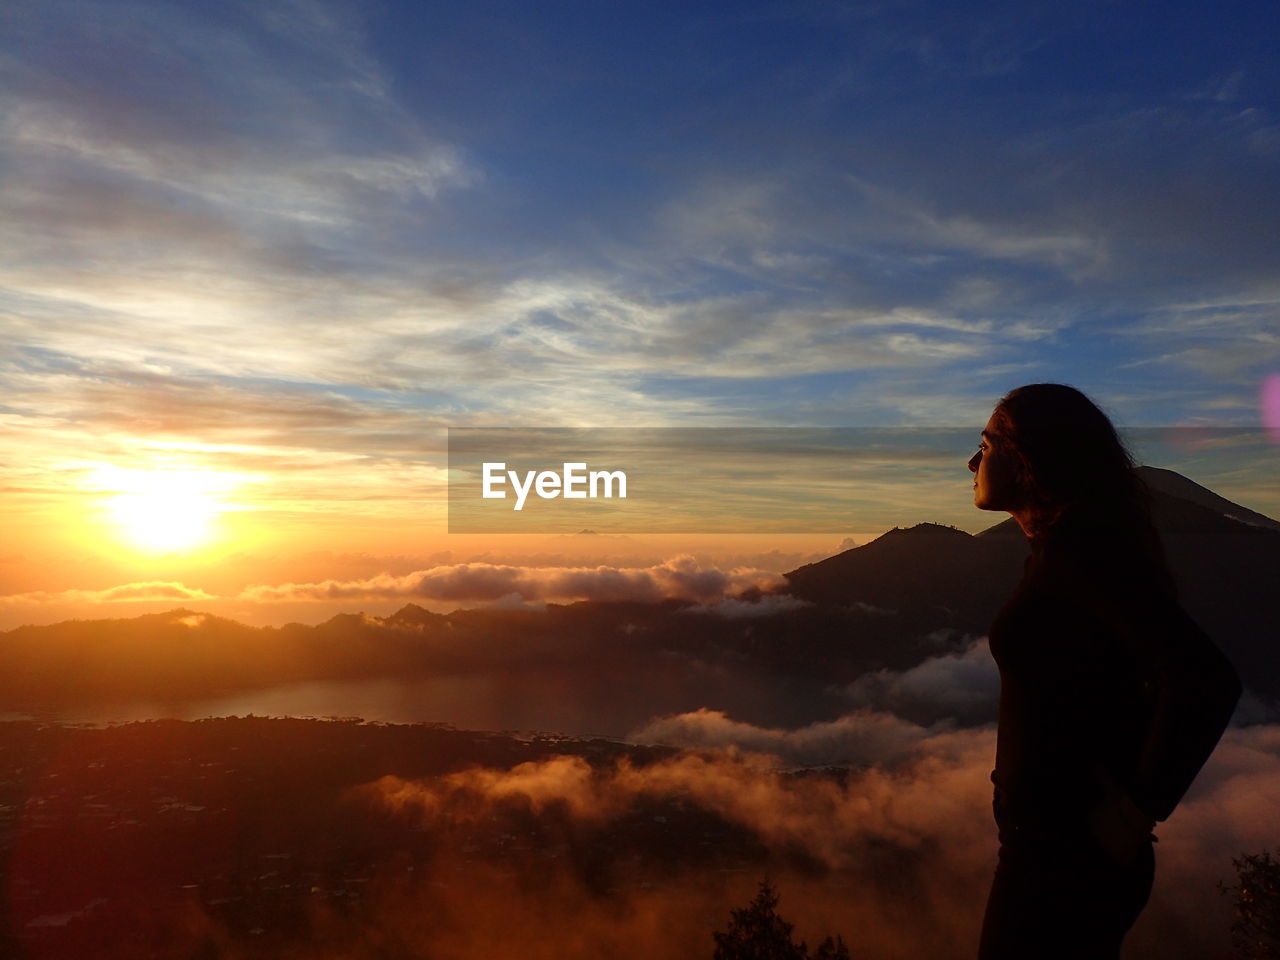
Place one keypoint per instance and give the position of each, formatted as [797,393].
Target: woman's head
[1053,449]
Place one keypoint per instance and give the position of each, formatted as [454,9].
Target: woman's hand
[1119,826]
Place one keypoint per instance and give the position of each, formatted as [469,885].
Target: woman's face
[995,477]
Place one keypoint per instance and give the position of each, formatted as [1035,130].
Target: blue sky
[298,239]
[846,213]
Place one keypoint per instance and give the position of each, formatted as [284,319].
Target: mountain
[942,573]
[1177,486]
[1225,559]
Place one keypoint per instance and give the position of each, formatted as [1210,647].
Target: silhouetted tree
[1255,930]
[756,932]
[830,949]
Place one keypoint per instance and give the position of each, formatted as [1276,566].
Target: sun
[163,510]
[165,519]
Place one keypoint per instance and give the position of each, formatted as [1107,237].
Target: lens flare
[1271,405]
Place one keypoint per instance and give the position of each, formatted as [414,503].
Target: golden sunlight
[162,510]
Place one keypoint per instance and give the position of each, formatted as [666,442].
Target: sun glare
[162,510]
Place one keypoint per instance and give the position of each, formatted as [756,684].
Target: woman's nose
[973,462]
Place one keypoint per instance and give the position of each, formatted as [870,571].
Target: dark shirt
[1104,681]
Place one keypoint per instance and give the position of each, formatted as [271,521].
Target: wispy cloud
[126,592]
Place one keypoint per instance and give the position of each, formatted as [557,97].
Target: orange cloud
[910,840]
[125,592]
[940,790]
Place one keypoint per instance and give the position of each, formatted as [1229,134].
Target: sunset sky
[259,257]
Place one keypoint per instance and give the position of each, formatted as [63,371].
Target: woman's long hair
[1071,463]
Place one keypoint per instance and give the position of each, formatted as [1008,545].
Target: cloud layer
[681,577]
[908,835]
[857,738]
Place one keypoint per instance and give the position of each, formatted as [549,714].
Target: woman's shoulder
[1107,551]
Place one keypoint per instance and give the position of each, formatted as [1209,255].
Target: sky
[256,259]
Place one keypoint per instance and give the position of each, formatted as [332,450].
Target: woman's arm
[1193,687]
[1195,690]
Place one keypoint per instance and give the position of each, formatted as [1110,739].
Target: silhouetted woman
[1111,698]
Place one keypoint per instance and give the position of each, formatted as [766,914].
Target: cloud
[681,577]
[857,738]
[853,853]
[84,120]
[832,818]
[559,323]
[1231,809]
[147,591]
[495,585]
[265,212]
[964,686]
[908,836]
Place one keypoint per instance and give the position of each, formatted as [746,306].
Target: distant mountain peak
[925,529]
[920,536]
[1174,484]
[411,613]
